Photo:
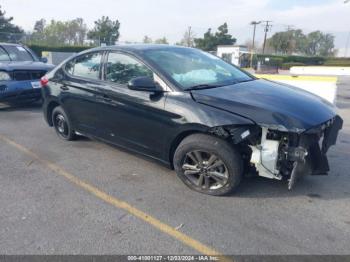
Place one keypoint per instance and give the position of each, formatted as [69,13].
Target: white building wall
[234,51]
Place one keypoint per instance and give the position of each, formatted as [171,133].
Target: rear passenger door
[78,91]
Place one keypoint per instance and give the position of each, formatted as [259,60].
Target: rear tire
[62,125]
[208,164]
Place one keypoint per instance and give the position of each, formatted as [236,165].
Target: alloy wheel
[61,125]
[205,170]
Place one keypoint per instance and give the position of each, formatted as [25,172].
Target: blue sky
[170,18]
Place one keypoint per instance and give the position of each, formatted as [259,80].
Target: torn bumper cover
[281,155]
[310,156]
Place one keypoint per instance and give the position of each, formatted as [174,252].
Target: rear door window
[86,66]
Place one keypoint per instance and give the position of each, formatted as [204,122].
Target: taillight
[44,81]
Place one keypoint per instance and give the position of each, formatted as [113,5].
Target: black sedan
[205,118]
[20,73]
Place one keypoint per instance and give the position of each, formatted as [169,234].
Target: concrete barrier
[320,70]
[325,87]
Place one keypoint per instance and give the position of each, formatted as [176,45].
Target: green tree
[105,30]
[54,33]
[8,31]
[287,42]
[188,38]
[318,43]
[315,43]
[147,40]
[210,41]
[223,37]
[76,31]
[38,32]
[279,42]
[39,26]
[162,40]
[72,32]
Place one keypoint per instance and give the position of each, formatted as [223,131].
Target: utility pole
[347,40]
[291,45]
[266,29]
[253,23]
[289,27]
[190,37]
[347,45]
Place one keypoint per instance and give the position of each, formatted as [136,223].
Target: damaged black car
[200,115]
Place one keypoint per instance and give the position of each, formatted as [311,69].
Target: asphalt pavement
[86,197]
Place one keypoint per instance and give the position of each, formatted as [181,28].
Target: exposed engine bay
[284,155]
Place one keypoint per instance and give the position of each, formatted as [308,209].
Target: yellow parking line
[196,245]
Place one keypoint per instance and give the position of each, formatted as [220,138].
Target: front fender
[184,110]
[186,116]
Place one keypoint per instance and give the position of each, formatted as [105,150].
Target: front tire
[208,164]
[62,124]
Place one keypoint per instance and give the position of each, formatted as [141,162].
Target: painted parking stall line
[185,239]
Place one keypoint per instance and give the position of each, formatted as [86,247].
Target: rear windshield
[15,53]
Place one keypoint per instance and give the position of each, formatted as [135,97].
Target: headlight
[4,76]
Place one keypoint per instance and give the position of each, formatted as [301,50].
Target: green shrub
[337,62]
[287,66]
[275,61]
[71,49]
[306,60]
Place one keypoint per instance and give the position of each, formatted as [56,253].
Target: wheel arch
[50,107]
[230,133]
[178,139]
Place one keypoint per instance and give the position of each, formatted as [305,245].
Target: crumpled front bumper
[311,158]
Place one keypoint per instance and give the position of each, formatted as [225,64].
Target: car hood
[269,104]
[25,65]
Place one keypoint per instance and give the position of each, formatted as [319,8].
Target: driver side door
[130,118]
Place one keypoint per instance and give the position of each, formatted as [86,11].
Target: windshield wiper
[206,86]
[201,86]
[245,80]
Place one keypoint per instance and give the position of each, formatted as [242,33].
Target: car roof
[136,47]
[10,44]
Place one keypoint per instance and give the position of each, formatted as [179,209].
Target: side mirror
[43,59]
[144,83]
